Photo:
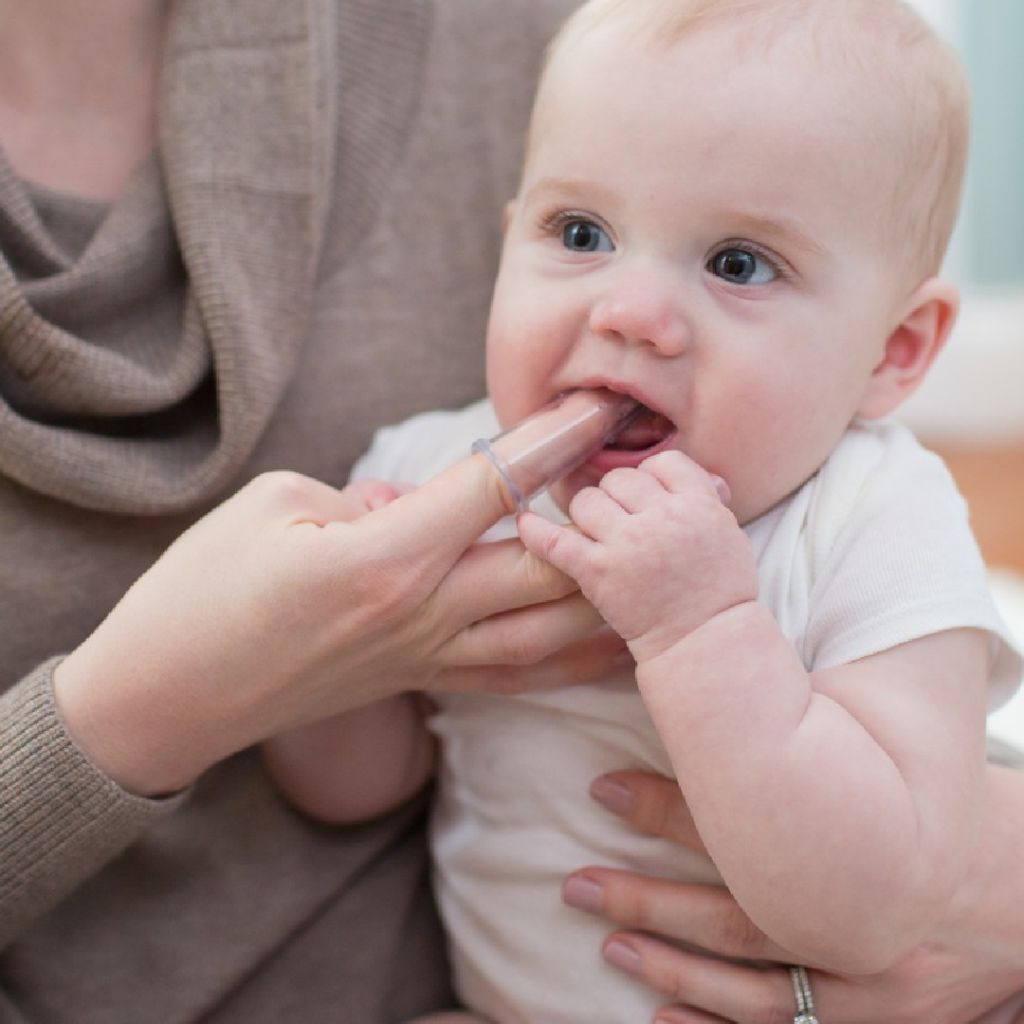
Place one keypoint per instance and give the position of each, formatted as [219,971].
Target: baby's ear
[911,347]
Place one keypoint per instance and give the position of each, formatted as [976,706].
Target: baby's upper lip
[625,388]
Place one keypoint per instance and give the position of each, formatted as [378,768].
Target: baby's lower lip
[614,458]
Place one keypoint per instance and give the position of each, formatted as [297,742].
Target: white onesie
[873,551]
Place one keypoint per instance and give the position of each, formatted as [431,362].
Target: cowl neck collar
[138,375]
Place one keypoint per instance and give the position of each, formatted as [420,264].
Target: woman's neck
[78,86]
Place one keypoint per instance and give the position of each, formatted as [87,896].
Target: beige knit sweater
[307,257]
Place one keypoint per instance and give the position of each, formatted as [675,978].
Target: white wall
[975,392]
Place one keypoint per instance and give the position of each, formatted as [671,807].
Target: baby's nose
[643,310]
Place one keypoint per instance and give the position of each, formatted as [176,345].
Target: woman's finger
[583,661]
[453,509]
[925,987]
[735,992]
[526,636]
[686,1015]
[650,802]
[706,916]
[498,577]
[523,637]
[301,499]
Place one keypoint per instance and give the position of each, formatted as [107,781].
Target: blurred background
[971,407]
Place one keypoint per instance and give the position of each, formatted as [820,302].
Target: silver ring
[802,995]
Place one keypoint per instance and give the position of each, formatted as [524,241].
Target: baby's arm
[838,807]
[354,766]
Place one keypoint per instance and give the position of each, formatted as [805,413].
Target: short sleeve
[899,561]
[420,447]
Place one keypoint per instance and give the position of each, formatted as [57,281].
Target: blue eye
[585,236]
[741,266]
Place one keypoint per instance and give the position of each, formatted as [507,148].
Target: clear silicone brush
[556,439]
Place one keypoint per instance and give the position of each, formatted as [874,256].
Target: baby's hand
[655,551]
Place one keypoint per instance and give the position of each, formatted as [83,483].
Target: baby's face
[700,231]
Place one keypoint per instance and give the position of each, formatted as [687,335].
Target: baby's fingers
[561,546]
[632,489]
[678,473]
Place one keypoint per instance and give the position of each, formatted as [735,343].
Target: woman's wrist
[134,735]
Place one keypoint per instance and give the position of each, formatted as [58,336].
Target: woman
[237,238]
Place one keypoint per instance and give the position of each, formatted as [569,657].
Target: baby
[733,211]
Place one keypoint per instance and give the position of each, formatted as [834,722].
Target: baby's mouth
[647,429]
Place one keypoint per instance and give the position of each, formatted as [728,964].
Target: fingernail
[583,893]
[723,489]
[613,794]
[626,958]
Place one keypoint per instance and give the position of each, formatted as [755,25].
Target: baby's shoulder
[420,447]
[876,464]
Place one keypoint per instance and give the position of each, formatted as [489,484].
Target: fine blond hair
[889,45]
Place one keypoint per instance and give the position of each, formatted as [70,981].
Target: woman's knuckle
[516,647]
[543,580]
[637,908]
[655,807]
[674,984]
[280,486]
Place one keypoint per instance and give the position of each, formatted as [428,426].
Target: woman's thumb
[450,512]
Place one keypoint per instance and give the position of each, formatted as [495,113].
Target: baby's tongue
[645,430]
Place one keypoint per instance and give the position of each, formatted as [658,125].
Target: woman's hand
[972,970]
[287,604]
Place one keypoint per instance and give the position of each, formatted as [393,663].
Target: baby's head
[902,99]
[733,209]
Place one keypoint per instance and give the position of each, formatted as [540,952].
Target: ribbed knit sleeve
[60,818]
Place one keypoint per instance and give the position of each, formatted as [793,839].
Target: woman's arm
[970,966]
[270,613]
[275,610]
